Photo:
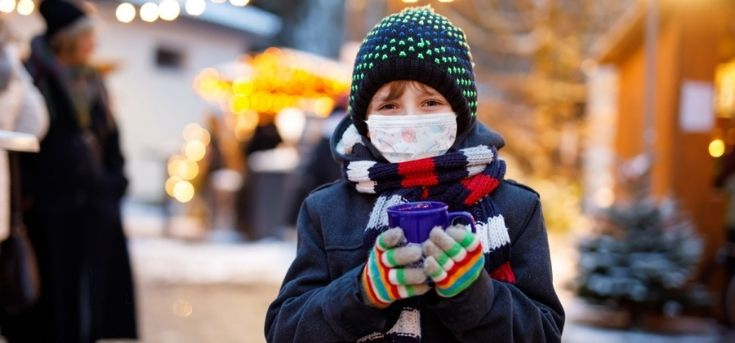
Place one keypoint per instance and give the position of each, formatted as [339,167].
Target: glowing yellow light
[243,86]
[195,7]
[173,165]
[169,9]
[170,183]
[446,0]
[182,168]
[239,104]
[125,12]
[717,148]
[7,6]
[189,170]
[410,1]
[194,132]
[725,96]
[183,191]
[186,169]
[239,3]
[323,106]
[25,7]
[209,85]
[149,12]
[245,124]
[191,131]
[195,151]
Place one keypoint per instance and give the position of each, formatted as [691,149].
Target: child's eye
[387,107]
[432,102]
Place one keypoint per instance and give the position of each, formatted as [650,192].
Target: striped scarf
[462,179]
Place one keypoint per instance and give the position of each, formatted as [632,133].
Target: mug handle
[452,216]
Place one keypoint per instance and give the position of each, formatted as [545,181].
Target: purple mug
[416,219]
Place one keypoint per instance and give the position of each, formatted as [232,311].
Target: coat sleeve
[313,307]
[527,311]
[32,114]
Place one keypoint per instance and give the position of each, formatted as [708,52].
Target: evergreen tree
[644,255]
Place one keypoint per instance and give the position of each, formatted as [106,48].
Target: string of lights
[167,10]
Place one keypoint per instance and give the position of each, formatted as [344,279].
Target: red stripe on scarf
[418,173]
[504,273]
[425,193]
[479,186]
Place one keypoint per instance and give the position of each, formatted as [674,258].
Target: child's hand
[385,278]
[454,259]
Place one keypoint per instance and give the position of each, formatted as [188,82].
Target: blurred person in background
[22,109]
[72,194]
[320,167]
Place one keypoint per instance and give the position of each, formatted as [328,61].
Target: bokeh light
[183,191]
[193,132]
[195,7]
[149,12]
[7,6]
[170,184]
[290,123]
[717,148]
[125,12]
[239,3]
[169,10]
[180,166]
[195,150]
[26,7]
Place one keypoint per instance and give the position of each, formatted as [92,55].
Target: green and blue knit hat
[420,45]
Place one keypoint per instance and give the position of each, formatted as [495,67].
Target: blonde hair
[64,42]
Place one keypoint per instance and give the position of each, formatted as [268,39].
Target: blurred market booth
[241,171]
[662,98]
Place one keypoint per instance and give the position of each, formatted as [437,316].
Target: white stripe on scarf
[360,171]
[493,234]
[379,215]
[478,155]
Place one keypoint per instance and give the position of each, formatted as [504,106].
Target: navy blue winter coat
[320,298]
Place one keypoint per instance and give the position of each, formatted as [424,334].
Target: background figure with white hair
[72,193]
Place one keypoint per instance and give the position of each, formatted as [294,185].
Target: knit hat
[420,45]
[59,14]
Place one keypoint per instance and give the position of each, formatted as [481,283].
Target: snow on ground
[167,260]
[156,257]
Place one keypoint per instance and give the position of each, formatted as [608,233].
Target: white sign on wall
[696,109]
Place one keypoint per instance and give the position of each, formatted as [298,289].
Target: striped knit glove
[454,259]
[385,277]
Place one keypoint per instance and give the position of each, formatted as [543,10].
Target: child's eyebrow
[389,96]
[428,91]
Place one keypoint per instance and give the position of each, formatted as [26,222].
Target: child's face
[407,98]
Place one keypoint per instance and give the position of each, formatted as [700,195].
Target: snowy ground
[172,261]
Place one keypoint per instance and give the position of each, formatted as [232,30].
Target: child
[412,135]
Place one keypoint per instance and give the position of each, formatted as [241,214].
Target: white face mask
[403,138]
